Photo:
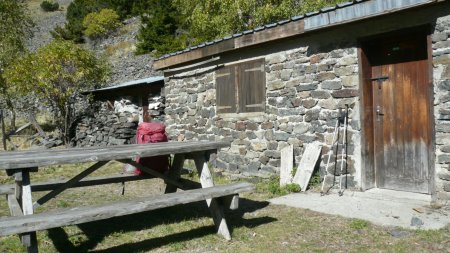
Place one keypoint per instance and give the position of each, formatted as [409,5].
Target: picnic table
[24,222]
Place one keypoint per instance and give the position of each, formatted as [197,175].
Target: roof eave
[328,17]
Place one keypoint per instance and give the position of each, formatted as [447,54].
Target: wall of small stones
[304,94]
[441,74]
[305,89]
[107,126]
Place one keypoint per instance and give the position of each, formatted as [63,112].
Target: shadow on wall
[97,231]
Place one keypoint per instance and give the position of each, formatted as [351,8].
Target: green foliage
[272,186]
[15,29]
[76,12]
[49,5]
[161,31]
[211,19]
[98,24]
[79,9]
[56,73]
[315,179]
[359,224]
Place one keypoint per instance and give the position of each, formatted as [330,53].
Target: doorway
[397,94]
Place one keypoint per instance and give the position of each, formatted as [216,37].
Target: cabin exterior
[286,84]
[116,112]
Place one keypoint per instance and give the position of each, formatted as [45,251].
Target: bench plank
[93,181]
[78,215]
[25,159]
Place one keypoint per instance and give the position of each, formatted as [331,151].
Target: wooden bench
[78,215]
[21,164]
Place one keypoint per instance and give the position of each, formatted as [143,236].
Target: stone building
[117,111]
[286,83]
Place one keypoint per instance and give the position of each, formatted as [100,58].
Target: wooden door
[401,113]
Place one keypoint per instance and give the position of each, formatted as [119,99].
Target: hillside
[118,47]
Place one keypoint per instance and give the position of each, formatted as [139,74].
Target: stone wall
[307,83]
[108,124]
[441,74]
[304,94]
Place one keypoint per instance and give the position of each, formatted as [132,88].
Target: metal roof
[145,81]
[327,16]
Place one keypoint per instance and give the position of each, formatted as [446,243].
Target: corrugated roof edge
[267,26]
[148,80]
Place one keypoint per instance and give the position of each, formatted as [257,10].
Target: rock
[301,128]
[444,85]
[350,81]
[416,222]
[444,176]
[325,76]
[281,136]
[275,58]
[398,233]
[320,94]
[443,158]
[286,74]
[347,61]
[439,37]
[306,87]
[276,85]
[447,187]
[331,85]
[345,93]
[309,103]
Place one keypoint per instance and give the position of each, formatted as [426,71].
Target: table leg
[23,195]
[216,208]
[174,172]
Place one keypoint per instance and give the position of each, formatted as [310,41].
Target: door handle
[379,110]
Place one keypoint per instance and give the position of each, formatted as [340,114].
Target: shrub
[98,24]
[49,5]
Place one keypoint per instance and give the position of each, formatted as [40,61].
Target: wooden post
[215,206]
[174,172]
[3,130]
[287,165]
[34,122]
[23,195]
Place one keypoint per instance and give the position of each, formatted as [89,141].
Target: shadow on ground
[97,231]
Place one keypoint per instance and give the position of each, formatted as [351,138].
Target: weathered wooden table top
[38,158]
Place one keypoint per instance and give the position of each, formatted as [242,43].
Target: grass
[256,226]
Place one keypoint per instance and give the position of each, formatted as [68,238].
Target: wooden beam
[231,202]
[267,35]
[39,158]
[152,172]
[68,184]
[49,186]
[20,129]
[175,172]
[3,130]
[214,205]
[29,239]
[78,215]
[38,128]
[14,206]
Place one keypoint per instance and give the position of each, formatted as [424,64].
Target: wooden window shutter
[252,86]
[226,90]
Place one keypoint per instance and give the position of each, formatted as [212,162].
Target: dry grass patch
[256,226]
